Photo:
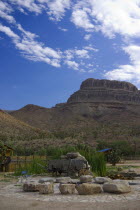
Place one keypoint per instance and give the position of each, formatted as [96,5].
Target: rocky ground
[12,197]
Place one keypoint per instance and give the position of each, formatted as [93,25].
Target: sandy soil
[22,204]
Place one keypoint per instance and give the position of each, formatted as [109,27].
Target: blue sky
[48,47]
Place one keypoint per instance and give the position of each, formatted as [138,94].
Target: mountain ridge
[94,101]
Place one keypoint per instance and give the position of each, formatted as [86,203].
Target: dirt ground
[22,204]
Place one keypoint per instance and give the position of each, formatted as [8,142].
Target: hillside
[12,129]
[101,109]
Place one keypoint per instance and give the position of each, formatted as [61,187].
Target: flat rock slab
[73,155]
[67,189]
[118,188]
[101,180]
[134,182]
[47,179]
[63,180]
[88,188]
[31,186]
[75,181]
[86,178]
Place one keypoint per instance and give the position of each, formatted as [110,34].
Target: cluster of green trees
[124,148]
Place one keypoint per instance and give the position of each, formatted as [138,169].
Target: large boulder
[101,180]
[73,155]
[47,188]
[88,189]
[63,180]
[86,178]
[116,187]
[31,186]
[80,157]
[67,188]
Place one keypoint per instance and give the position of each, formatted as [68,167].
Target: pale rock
[63,180]
[75,181]
[131,170]
[46,188]
[67,188]
[101,180]
[88,189]
[86,178]
[116,187]
[47,179]
[31,186]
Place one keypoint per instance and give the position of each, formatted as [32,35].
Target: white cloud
[78,59]
[8,32]
[30,5]
[27,34]
[85,52]
[80,18]
[32,49]
[90,48]
[134,53]
[54,8]
[72,64]
[63,29]
[5,10]
[87,36]
[57,8]
[131,71]
[123,72]
[110,17]
[82,53]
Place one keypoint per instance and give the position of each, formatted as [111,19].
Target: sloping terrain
[101,109]
[11,128]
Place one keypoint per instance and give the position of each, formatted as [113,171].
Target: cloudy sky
[48,47]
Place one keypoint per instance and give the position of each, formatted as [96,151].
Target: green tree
[114,157]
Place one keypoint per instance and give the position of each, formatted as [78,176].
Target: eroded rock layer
[107,91]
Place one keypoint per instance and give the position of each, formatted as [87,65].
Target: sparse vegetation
[36,166]
[95,159]
[114,157]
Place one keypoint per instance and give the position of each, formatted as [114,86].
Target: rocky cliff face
[105,91]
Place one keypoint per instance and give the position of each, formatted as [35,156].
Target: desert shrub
[114,157]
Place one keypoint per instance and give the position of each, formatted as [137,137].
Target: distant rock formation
[106,91]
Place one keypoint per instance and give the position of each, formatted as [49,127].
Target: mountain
[11,128]
[101,109]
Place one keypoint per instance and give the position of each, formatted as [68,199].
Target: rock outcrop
[105,91]
[88,189]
